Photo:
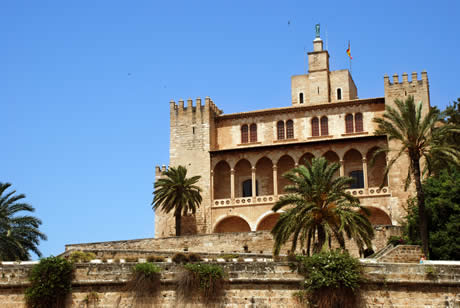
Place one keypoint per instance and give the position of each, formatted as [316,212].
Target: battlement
[159,171]
[405,79]
[198,108]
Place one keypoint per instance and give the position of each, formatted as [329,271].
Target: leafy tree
[18,234]
[175,192]
[450,116]
[319,209]
[442,194]
[417,137]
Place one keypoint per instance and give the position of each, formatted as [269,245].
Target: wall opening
[285,164]
[353,165]
[376,171]
[268,222]
[339,94]
[242,173]
[264,175]
[232,224]
[377,216]
[301,98]
[222,180]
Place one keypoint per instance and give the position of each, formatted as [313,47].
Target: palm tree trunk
[321,240]
[178,224]
[421,207]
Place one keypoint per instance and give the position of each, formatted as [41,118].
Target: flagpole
[305,60]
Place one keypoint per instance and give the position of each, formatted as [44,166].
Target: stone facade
[241,157]
[251,284]
[259,242]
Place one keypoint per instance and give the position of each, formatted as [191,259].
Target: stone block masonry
[251,284]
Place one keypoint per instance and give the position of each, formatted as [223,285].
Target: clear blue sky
[85,87]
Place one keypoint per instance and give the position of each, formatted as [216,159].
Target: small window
[349,123]
[289,129]
[315,127]
[253,132]
[359,122]
[280,129]
[244,134]
[324,127]
[339,94]
[317,89]
[358,179]
[301,98]
[247,188]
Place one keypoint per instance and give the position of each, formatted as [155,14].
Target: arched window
[324,127]
[253,132]
[289,129]
[301,98]
[280,129]
[349,123]
[244,134]
[315,127]
[339,94]
[359,122]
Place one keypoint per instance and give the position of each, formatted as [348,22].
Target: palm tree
[417,137]
[18,234]
[175,192]
[319,209]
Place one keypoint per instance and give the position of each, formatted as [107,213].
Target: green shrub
[229,257]
[154,258]
[50,283]
[208,280]
[331,279]
[80,256]
[145,282]
[396,240]
[180,258]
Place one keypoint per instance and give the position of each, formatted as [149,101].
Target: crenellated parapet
[191,111]
[159,171]
[401,88]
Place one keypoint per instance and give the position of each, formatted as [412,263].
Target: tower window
[253,132]
[289,129]
[244,134]
[359,122]
[301,98]
[315,127]
[349,123]
[339,94]
[324,126]
[317,88]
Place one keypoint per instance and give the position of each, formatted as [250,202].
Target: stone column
[232,183]
[253,182]
[275,180]
[212,185]
[342,168]
[365,173]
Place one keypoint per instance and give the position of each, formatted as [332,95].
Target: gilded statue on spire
[317,30]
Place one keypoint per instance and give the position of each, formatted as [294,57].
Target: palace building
[241,157]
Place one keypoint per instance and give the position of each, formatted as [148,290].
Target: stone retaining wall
[254,284]
[256,242]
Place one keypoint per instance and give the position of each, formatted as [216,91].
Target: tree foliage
[417,136]
[175,192]
[318,209]
[19,234]
[443,216]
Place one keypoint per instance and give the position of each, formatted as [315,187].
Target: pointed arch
[353,166]
[264,176]
[242,173]
[285,163]
[268,222]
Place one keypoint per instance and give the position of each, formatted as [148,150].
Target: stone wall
[256,242]
[261,284]
[402,254]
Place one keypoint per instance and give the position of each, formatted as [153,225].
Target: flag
[348,50]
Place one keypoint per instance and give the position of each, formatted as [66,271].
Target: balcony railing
[270,199]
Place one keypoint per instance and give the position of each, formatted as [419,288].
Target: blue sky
[85,87]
